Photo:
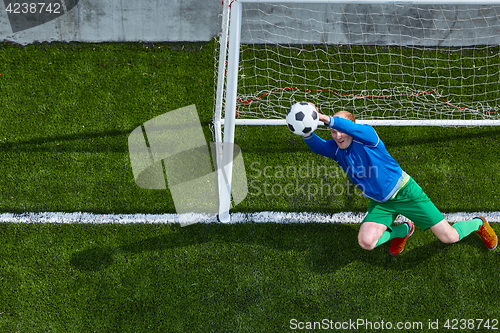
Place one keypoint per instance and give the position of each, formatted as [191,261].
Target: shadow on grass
[327,247]
[93,259]
[67,143]
[111,140]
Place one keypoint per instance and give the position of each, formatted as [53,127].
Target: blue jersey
[366,161]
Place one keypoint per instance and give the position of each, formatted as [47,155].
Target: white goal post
[391,63]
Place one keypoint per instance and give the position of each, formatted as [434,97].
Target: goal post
[391,63]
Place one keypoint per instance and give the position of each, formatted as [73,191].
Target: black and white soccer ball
[302,118]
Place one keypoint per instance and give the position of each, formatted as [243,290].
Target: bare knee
[369,234]
[367,242]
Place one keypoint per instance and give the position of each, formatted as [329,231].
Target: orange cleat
[398,244]
[487,234]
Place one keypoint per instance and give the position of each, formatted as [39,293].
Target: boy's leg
[453,233]
[425,215]
[481,227]
[445,232]
[370,233]
[398,244]
[398,231]
[373,234]
[377,226]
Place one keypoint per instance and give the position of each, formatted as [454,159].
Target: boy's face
[343,140]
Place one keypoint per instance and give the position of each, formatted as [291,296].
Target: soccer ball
[302,118]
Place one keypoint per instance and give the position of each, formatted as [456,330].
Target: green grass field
[66,113]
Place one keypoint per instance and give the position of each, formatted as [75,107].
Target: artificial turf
[66,113]
[227,278]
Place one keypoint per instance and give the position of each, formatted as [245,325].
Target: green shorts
[411,202]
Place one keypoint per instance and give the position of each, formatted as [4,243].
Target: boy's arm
[320,146]
[324,118]
[363,133]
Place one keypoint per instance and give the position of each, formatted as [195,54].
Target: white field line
[185,219]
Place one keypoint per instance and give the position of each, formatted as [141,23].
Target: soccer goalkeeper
[362,155]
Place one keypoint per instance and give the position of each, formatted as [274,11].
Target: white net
[401,62]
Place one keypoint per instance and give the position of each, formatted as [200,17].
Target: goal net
[389,63]
[419,63]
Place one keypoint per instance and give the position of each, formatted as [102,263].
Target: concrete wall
[113,20]
[199,20]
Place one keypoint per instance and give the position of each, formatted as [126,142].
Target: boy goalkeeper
[357,148]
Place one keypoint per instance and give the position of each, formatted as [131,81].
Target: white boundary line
[185,219]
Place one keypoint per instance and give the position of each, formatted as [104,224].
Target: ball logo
[171,150]
[26,14]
